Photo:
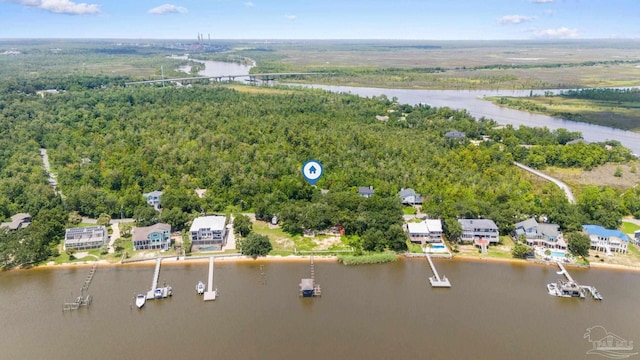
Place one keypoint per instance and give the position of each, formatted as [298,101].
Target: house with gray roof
[83,238]
[153,198]
[366,191]
[540,234]
[475,230]
[157,236]
[455,135]
[208,232]
[18,221]
[410,197]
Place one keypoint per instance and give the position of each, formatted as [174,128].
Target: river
[471,100]
[389,311]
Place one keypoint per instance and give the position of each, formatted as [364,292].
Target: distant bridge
[252,77]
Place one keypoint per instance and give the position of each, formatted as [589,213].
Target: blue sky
[321,19]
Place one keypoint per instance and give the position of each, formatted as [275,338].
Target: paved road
[561,185]
[115,234]
[633,221]
[47,168]
[231,237]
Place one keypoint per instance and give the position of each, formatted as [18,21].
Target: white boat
[552,289]
[140,300]
[163,292]
[200,288]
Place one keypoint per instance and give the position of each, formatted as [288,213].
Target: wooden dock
[309,287]
[436,280]
[158,292]
[591,289]
[154,281]
[211,292]
[82,299]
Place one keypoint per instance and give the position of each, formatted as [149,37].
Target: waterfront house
[366,191]
[208,232]
[475,230]
[153,198]
[18,221]
[84,238]
[606,240]
[637,237]
[156,236]
[427,231]
[410,197]
[540,234]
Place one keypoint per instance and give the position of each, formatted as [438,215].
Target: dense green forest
[108,145]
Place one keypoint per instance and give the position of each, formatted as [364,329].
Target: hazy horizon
[326,20]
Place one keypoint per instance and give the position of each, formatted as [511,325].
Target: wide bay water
[389,311]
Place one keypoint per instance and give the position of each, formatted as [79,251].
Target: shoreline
[204,259]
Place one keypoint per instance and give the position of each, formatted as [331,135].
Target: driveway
[561,185]
[115,234]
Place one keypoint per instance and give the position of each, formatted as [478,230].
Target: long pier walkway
[436,280]
[82,299]
[564,272]
[211,292]
[154,281]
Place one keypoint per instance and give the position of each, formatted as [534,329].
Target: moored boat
[200,288]
[140,300]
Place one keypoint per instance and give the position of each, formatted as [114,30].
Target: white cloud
[249,4]
[168,9]
[542,1]
[62,6]
[514,19]
[549,12]
[291,17]
[559,33]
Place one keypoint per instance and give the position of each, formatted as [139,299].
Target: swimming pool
[558,254]
[438,246]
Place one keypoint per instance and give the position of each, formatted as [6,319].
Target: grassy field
[285,244]
[600,176]
[390,64]
[629,228]
[463,64]
[499,251]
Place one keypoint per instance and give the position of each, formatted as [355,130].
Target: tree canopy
[255,245]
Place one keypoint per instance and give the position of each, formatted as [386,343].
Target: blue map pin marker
[312,170]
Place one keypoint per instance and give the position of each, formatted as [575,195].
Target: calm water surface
[493,311]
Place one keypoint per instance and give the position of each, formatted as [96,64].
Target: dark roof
[455,134]
[18,221]
[366,190]
[470,224]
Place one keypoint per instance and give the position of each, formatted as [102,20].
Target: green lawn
[285,244]
[629,228]
[414,248]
